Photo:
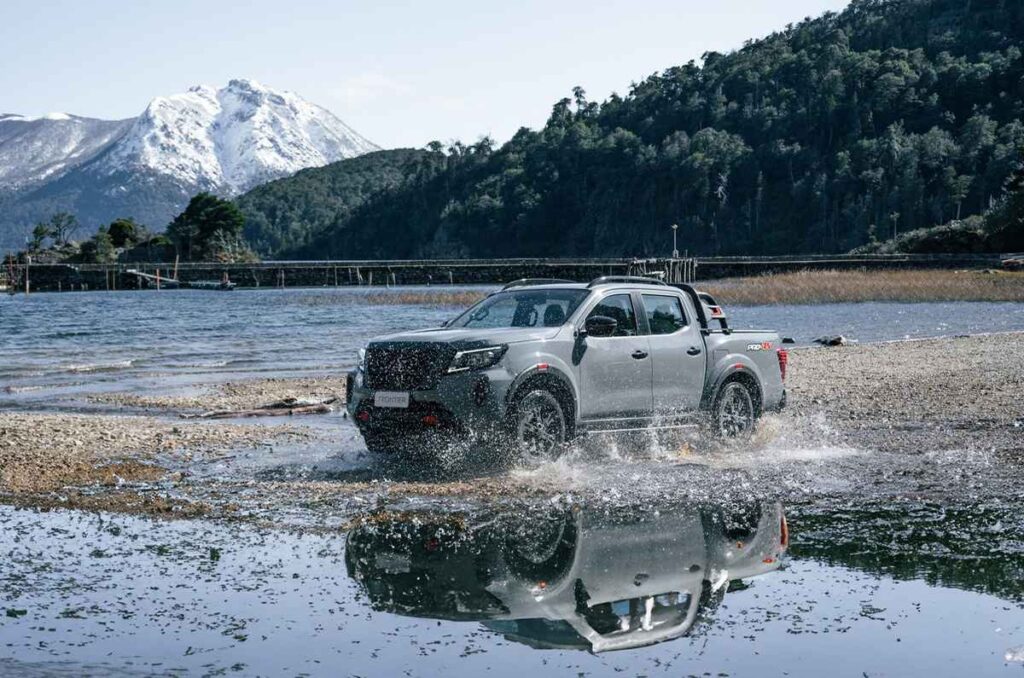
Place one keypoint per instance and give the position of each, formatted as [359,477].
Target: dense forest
[285,214]
[844,130]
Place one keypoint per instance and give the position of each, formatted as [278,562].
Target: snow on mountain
[33,150]
[224,140]
[234,138]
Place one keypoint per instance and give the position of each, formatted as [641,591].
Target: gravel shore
[48,452]
[905,397]
[916,396]
[236,395]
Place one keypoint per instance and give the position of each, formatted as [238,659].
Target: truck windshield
[523,308]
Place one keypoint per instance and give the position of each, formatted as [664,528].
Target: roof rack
[626,279]
[527,282]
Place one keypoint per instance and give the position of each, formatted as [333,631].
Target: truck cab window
[664,314]
[619,307]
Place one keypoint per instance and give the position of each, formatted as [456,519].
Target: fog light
[363,416]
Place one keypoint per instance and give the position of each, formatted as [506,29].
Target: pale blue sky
[401,73]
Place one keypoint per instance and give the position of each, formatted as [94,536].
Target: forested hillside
[890,116]
[287,213]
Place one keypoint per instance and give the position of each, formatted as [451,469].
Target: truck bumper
[460,404]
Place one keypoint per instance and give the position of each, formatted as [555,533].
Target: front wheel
[734,414]
[539,428]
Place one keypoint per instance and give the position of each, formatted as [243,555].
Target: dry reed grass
[823,287]
[801,287]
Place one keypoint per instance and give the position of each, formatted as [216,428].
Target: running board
[638,429]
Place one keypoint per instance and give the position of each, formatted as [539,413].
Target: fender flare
[548,371]
[735,364]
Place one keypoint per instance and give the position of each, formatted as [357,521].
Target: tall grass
[822,287]
[802,287]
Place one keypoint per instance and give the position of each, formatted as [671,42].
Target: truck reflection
[566,578]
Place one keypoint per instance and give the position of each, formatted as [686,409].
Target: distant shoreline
[797,288]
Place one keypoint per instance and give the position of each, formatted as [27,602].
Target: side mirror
[600,326]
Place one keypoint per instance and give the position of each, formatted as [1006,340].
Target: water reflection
[567,577]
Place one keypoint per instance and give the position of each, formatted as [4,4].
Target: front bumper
[460,403]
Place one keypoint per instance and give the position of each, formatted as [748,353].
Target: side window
[664,314]
[620,307]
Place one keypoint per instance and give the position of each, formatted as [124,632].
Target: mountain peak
[233,138]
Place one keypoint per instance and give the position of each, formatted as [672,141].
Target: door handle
[693,350]
[639,355]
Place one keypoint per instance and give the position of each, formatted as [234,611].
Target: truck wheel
[733,415]
[541,547]
[539,429]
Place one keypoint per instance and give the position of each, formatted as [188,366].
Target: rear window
[664,314]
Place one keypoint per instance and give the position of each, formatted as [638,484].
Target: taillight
[783,361]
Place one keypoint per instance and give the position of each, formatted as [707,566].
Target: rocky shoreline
[907,398]
[917,396]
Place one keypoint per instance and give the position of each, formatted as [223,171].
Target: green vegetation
[999,229]
[892,116]
[209,229]
[287,213]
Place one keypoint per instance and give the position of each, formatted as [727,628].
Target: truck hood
[470,337]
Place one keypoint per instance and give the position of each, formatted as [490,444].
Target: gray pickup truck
[542,361]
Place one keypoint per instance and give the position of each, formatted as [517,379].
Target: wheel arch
[741,373]
[553,380]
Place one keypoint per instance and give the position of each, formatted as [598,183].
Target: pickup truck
[543,361]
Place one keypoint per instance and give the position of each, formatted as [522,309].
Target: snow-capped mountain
[35,149]
[224,140]
[234,138]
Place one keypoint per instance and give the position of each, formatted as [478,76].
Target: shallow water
[908,564]
[59,346]
[89,594]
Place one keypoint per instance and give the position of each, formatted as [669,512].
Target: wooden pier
[279,274]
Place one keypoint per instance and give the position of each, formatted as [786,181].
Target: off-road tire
[538,426]
[734,412]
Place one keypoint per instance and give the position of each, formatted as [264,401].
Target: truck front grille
[397,367]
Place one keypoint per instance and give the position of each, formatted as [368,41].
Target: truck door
[677,352]
[615,372]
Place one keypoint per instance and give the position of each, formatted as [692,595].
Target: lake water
[898,564]
[59,344]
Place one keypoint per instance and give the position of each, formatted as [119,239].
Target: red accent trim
[542,367]
[738,366]
[783,361]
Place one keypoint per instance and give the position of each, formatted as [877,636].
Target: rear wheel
[734,414]
[539,428]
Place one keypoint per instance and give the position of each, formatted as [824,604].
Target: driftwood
[281,408]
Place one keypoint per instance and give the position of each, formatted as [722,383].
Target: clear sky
[400,73]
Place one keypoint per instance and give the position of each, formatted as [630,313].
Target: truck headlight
[362,359]
[476,359]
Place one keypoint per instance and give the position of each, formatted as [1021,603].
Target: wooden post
[158,279]
[335,276]
[28,263]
